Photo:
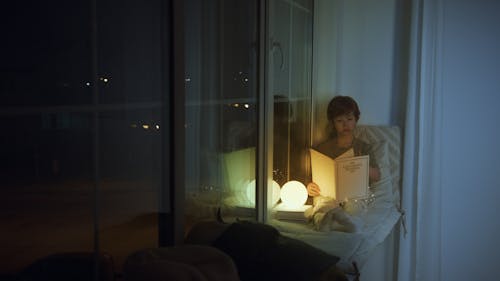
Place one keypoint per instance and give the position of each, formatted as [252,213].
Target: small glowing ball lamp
[293,194]
[275,195]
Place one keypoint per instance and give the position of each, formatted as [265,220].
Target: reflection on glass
[130,54]
[77,174]
[46,187]
[290,24]
[45,53]
[290,83]
[130,179]
[222,100]
[221,106]
[281,138]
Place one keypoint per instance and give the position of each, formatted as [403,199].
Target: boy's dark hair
[341,105]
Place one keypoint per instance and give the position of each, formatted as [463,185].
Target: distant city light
[157,127]
[187,79]
[105,80]
[246,105]
[133,125]
[88,83]
[145,126]
[246,79]
[236,105]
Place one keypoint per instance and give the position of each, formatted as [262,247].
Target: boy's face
[345,124]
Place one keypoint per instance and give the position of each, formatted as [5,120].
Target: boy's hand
[313,189]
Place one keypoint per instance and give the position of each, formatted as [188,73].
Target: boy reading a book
[343,114]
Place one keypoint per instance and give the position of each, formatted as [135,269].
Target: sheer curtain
[420,244]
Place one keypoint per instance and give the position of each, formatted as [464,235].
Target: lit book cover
[345,177]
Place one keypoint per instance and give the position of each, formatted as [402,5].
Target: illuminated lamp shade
[250,192]
[293,194]
[276,193]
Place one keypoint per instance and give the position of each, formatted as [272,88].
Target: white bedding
[369,226]
[377,223]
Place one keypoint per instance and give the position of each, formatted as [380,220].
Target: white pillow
[380,151]
[382,189]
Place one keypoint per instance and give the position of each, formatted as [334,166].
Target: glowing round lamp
[293,194]
[275,195]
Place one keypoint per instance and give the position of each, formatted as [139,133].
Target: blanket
[328,214]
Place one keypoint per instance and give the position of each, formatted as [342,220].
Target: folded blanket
[328,215]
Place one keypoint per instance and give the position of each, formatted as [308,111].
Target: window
[82,144]
[248,108]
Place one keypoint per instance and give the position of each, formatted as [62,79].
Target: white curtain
[420,247]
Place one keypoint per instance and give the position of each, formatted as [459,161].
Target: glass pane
[221,109]
[131,50]
[130,151]
[47,187]
[301,81]
[280,57]
[58,145]
[290,83]
[45,53]
[306,5]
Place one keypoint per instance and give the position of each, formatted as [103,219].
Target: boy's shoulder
[326,145]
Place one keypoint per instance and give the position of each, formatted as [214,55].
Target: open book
[345,177]
[283,212]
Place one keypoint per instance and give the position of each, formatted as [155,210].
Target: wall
[354,54]
[324,63]
[357,53]
[471,97]
[469,67]
[359,50]
[366,57]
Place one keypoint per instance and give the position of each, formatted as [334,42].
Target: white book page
[352,177]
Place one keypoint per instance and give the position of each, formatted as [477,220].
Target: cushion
[381,153]
[382,189]
[78,266]
[386,142]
